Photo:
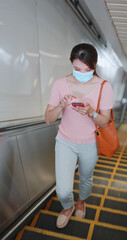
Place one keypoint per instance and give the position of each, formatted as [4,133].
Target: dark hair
[86,53]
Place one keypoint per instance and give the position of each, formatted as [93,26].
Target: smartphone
[80,104]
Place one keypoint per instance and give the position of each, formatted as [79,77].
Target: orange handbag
[107,137]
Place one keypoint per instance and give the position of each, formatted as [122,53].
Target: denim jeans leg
[65,164]
[87,160]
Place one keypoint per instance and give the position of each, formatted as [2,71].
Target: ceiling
[118,12]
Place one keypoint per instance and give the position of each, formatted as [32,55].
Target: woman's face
[80,66]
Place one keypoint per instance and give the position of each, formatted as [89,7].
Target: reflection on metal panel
[27,169]
[37,151]
[13,193]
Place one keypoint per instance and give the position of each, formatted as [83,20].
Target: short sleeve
[55,96]
[107,97]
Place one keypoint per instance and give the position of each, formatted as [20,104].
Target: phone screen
[80,104]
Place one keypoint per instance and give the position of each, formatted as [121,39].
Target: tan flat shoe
[81,213]
[62,220]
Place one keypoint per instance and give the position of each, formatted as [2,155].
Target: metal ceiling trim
[118,14]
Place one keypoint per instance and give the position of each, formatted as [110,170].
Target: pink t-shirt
[75,127]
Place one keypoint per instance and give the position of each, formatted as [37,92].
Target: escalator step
[47,221]
[104,169]
[93,200]
[100,181]
[101,174]
[122,206]
[32,235]
[109,159]
[95,189]
[106,164]
[113,218]
[124,162]
[119,185]
[105,233]
[56,207]
[117,194]
[117,177]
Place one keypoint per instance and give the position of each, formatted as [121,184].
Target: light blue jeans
[66,155]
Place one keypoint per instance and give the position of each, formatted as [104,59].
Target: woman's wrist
[94,114]
[60,106]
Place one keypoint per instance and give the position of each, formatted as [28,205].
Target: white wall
[36,40]
[20,96]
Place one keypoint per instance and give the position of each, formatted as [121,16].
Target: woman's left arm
[102,117]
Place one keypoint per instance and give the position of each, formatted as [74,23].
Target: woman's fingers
[66,100]
[80,110]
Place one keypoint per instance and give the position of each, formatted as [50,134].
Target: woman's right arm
[52,113]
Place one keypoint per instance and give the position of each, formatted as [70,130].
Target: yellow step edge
[110,198]
[88,221]
[107,179]
[109,187]
[106,167]
[35,219]
[37,215]
[122,212]
[87,205]
[124,160]
[102,171]
[117,189]
[114,211]
[101,185]
[102,195]
[104,157]
[72,217]
[90,232]
[101,178]
[114,160]
[19,235]
[108,225]
[106,186]
[120,164]
[48,204]
[106,197]
[109,167]
[116,153]
[50,233]
[105,161]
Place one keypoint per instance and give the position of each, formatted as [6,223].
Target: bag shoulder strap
[99,98]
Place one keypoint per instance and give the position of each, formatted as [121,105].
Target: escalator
[106,212]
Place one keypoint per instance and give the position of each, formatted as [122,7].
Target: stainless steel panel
[13,192]
[37,152]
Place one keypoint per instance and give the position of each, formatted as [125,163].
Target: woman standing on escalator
[76,97]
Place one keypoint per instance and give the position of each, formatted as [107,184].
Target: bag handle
[99,98]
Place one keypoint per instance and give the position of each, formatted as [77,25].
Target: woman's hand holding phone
[82,108]
[67,100]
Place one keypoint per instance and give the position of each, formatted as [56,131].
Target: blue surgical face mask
[83,77]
